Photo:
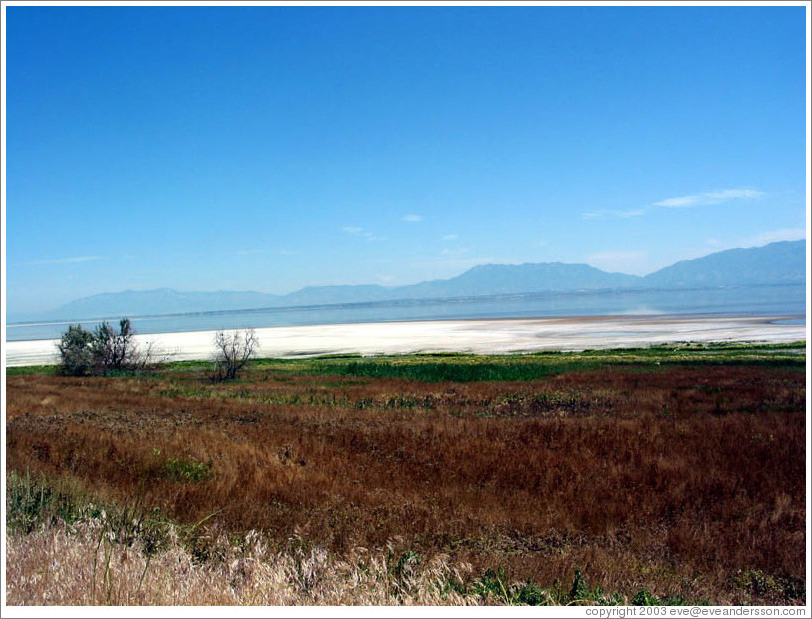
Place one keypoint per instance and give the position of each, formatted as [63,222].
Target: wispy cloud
[637,212]
[700,199]
[709,198]
[450,237]
[412,218]
[363,233]
[66,260]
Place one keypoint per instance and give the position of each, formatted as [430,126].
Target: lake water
[779,300]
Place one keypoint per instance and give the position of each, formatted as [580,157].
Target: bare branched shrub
[233,352]
[114,348]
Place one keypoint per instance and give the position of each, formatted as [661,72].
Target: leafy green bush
[76,351]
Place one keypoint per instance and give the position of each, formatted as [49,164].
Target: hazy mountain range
[777,263]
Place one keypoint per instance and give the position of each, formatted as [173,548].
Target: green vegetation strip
[457,367]
[468,368]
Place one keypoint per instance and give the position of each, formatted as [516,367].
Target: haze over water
[777,300]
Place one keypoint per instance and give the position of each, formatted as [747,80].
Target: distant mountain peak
[777,263]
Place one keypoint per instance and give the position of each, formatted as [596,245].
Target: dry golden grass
[86,567]
[676,480]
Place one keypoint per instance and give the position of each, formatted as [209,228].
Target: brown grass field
[685,480]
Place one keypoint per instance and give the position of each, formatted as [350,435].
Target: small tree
[233,352]
[76,351]
[102,351]
[115,350]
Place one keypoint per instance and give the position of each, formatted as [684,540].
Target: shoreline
[478,336]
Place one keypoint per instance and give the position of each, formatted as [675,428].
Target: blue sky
[269,148]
